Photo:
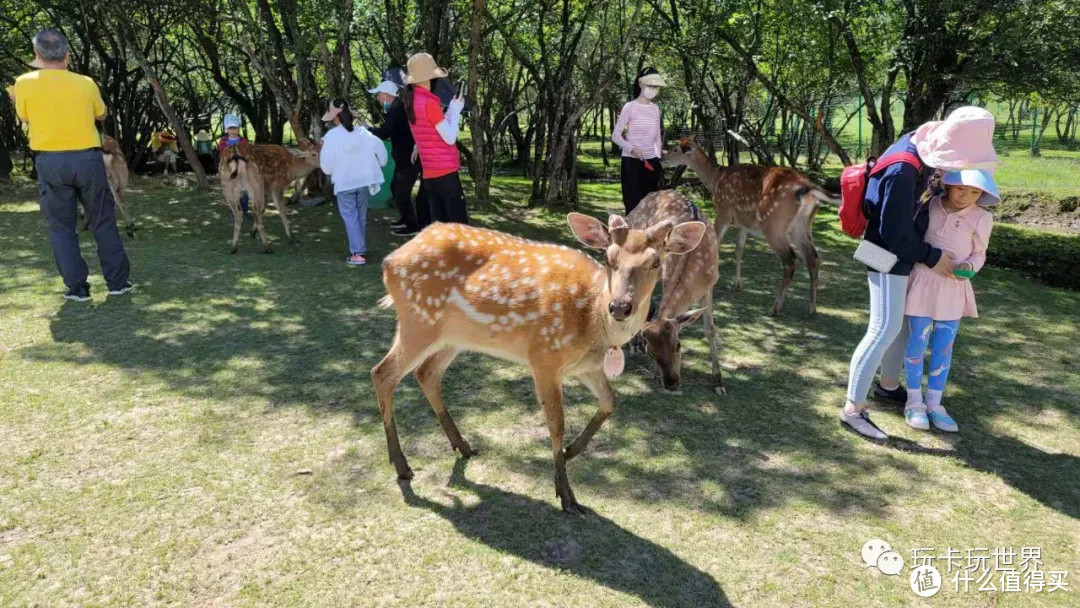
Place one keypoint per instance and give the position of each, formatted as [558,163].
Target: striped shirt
[638,126]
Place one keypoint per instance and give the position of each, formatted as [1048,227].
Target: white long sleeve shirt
[638,126]
[353,159]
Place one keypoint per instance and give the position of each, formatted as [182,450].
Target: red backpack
[853,189]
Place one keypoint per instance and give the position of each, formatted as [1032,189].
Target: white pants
[885,340]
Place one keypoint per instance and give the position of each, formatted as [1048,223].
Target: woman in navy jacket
[897,220]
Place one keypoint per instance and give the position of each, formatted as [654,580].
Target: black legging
[637,181]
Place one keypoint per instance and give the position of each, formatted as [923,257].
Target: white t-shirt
[353,159]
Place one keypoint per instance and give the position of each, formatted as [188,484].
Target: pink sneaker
[355,260]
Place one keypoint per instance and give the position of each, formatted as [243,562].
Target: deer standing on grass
[687,280]
[777,202]
[276,167]
[117,174]
[456,287]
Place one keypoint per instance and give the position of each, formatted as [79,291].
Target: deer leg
[429,376]
[279,202]
[788,260]
[401,360]
[714,350]
[257,204]
[238,219]
[129,226]
[810,256]
[549,391]
[740,247]
[598,383]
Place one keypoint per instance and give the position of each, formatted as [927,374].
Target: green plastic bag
[381,199]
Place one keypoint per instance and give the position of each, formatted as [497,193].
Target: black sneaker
[79,294]
[897,395]
[404,231]
[122,290]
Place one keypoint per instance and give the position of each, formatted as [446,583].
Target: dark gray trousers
[65,179]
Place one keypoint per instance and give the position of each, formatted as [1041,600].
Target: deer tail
[386,301]
[810,198]
[237,164]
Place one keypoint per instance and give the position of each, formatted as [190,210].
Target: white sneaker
[861,424]
[942,420]
[915,416]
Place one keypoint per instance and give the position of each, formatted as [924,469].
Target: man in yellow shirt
[60,107]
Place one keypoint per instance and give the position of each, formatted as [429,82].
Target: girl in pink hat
[960,226]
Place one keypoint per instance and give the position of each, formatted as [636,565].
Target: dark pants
[65,179]
[637,181]
[401,186]
[446,198]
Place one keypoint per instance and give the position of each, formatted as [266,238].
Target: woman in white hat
[395,128]
[637,132]
[436,135]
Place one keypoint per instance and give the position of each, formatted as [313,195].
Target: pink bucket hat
[964,140]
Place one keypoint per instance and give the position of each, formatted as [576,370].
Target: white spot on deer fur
[557,306]
[470,311]
[408,293]
[581,302]
[531,316]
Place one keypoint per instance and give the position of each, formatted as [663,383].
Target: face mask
[650,92]
[386,106]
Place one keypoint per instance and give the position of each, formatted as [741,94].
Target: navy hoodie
[896,219]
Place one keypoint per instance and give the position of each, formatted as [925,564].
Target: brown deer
[687,280]
[277,167]
[117,174]
[456,288]
[777,202]
[239,175]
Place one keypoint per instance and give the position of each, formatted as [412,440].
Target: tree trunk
[479,164]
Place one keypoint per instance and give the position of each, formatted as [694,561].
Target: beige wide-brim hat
[421,68]
[652,80]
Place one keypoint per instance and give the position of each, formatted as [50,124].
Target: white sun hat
[385,86]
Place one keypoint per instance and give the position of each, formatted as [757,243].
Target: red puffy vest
[437,157]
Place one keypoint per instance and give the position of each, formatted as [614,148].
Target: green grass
[212,439]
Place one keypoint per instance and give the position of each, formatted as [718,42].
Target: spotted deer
[687,280]
[238,175]
[117,174]
[777,202]
[461,288]
[277,167]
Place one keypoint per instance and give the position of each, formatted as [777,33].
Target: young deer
[117,174]
[687,280]
[239,175]
[278,168]
[776,202]
[457,287]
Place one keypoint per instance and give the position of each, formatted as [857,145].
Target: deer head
[663,345]
[687,153]
[633,257]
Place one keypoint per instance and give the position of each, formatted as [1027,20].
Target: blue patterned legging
[940,335]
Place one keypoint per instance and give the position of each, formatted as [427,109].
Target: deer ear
[589,230]
[684,237]
[687,318]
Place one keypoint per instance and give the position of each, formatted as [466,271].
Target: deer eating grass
[777,202]
[686,280]
[461,288]
[261,170]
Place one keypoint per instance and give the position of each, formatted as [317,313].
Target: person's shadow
[591,546]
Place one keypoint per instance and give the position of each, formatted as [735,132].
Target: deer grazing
[687,280]
[274,168]
[456,288]
[777,202]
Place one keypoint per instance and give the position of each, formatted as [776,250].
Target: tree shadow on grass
[590,546]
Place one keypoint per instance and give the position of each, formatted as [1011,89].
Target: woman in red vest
[436,135]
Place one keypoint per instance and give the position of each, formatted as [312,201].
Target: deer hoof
[813,312]
[736,285]
[232,250]
[720,391]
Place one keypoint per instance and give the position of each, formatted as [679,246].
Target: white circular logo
[890,563]
[872,550]
[925,581]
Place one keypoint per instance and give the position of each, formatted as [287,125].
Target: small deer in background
[687,280]
[277,167]
[462,288]
[777,202]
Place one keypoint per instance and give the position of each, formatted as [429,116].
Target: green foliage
[1047,257]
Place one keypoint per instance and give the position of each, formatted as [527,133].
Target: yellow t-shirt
[60,107]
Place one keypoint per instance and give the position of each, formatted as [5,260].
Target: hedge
[1048,257]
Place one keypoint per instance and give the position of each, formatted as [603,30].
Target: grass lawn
[213,440]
